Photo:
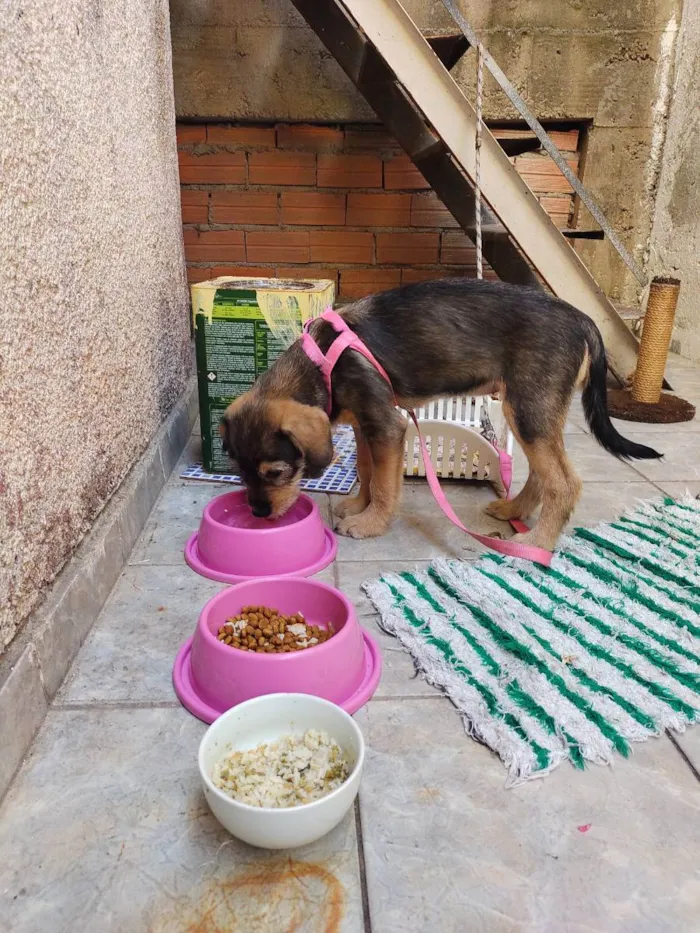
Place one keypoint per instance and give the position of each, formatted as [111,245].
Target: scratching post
[656,339]
[645,401]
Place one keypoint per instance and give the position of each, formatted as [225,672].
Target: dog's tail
[595,406]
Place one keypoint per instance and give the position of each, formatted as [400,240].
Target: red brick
[277,245]
[559,209]
[535,163]
[349,171]
[243,136]
[424,275]
[407,248]
[244,207]
[214,245]
[198,274]
[195,206]
[313,208]
[193,196]
[400,172]
[282,168]
[307,273]
[546,184]
[508,132]
[427,210]
[250,272]
[342,246]
[307,136]
[542,175]
[564,140]
[556,205]
[457,249]
[379,210]
[190,133]
[216,168]
[370,138]
[356,283]
[561,220]
[195,214]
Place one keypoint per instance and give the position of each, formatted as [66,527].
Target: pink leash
[326,362]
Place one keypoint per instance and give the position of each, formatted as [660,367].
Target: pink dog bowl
[232,545]
[210,677]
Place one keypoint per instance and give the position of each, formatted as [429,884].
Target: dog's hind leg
[359,503]
[539,429]
[560,491]
[521,506]
[387,455]
[529,498]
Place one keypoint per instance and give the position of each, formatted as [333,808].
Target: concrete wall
[675,239]
[604,62]
[94,331]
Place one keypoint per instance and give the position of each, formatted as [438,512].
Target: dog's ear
[223,435]
[309,429]
[227,419]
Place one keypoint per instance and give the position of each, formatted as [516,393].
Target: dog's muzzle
[260,509]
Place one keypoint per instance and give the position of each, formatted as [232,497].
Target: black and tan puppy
[440,338]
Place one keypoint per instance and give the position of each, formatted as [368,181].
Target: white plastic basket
[460,433]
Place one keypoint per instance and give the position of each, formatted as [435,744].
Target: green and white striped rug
[574,662]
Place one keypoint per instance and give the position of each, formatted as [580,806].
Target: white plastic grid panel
[455,430]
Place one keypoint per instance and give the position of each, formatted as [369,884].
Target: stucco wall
[598,61]
[94,332]
[675,240]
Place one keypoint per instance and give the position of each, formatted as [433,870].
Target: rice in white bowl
[294,770]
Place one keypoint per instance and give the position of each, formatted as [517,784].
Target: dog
[438,338]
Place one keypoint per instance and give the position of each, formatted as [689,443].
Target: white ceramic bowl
[265,719]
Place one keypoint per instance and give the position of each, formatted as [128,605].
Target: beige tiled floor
[105,828]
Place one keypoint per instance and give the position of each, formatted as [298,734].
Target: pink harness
[326,362]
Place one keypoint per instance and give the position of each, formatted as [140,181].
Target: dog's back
[449,336]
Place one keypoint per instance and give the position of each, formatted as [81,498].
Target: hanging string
[477,185]
[477,160]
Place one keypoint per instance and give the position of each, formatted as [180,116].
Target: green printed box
[241,326]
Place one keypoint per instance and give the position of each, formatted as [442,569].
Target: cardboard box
[241,326]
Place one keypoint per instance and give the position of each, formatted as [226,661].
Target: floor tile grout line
[113,705]
[369,560]
[639,473]
[366,914]
[682,753]
[104,609]
[663,492]
[395,697]
[73,706]
[656,486]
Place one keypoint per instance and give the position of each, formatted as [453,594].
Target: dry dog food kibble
[295,769]
[266,631]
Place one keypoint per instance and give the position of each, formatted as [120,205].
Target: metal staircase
[405,78]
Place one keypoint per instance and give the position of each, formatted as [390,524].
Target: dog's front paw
[535,538]
[365,525]
[502,509]
[353,506]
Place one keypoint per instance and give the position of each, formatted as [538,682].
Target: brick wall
[330,202]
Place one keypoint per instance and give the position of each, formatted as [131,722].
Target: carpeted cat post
[645,401]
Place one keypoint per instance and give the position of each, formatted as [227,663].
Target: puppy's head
[275,444]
